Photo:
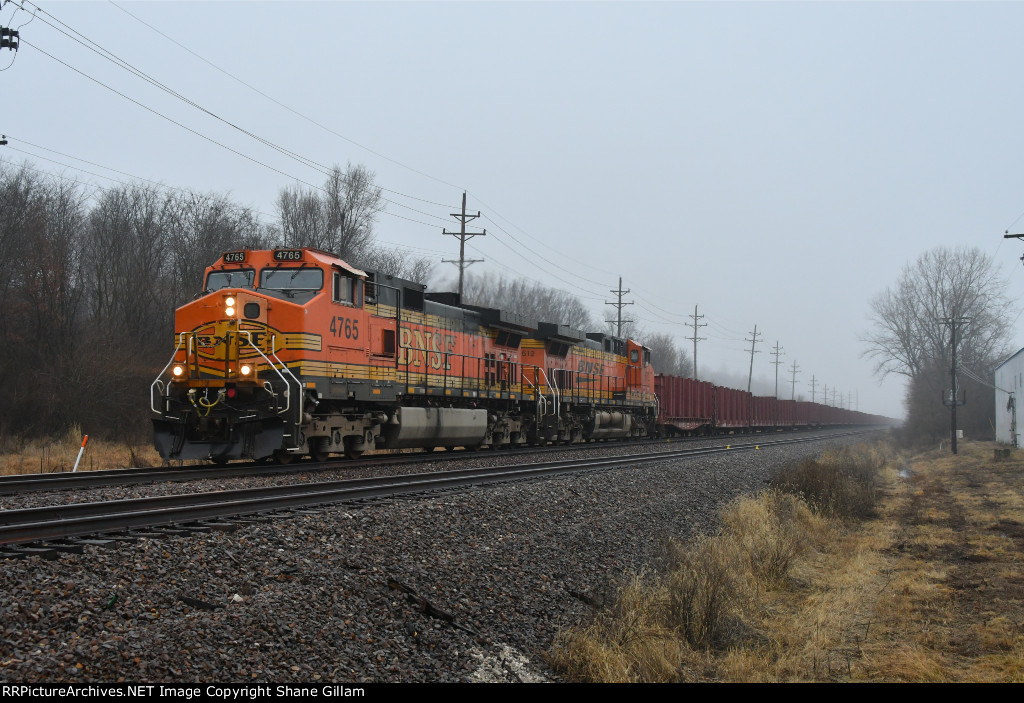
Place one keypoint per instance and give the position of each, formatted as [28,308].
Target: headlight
[246,369]
[178,370]
[229,301]
[230,312]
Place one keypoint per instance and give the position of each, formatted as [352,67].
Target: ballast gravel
[466,586]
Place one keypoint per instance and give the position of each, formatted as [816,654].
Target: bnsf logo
[425,348]
[593,367]
[211,340]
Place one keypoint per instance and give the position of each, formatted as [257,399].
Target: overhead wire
[293,111]
[117,60]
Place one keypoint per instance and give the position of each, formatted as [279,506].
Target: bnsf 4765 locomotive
[292,352]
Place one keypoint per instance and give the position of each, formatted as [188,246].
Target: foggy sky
[775,164]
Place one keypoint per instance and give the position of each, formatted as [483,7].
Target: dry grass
[28,456]
[926,586]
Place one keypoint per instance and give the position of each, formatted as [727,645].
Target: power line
[794,370]
[293,111]
[121,63]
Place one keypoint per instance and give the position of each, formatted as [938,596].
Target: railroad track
[31,483]
[50,528]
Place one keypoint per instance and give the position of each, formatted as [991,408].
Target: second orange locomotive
[292,352]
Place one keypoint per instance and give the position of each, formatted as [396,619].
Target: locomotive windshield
[236,278]
[300,284]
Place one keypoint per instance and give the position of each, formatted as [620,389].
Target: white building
[1009,383]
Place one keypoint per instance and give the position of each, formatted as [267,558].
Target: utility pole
[753,342]
[618,306]
[695,317]
[824,395]
[463,217]
[954,393]
[777,353]
[833,396]
[793,370]
[814,382]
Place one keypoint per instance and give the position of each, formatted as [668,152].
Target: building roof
[1010,358]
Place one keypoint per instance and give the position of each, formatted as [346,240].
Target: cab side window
[347,290]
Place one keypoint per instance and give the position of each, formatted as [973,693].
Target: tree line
[89,280]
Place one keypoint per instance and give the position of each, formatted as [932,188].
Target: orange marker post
[80,452]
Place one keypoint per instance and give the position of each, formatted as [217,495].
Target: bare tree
[942,283]
[908,339]
[396,263]
[666,356]
[201,229]
[337,218]
[528,298]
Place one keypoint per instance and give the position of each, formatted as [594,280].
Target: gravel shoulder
[480,581]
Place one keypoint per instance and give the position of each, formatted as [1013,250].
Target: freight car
[292,352]
[689,407]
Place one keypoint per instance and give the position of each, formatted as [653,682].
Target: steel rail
[66,480]
[84,519]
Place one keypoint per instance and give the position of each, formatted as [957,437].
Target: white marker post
[80,453]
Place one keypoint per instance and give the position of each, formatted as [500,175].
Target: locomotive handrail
[542,401]
[298,384]
[248,338]
[158,382]
[556,392]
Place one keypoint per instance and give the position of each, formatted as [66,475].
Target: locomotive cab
[232,388]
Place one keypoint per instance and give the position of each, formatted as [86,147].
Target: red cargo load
[732,407]
[763,411]
[787,413]
[806,413]
[684,403]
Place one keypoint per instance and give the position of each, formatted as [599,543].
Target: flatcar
[292,352]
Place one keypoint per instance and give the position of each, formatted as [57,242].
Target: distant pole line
[753,343]
[777,353]
[814,382]
[794,370]
[462,262]
[618,306]
[695,325]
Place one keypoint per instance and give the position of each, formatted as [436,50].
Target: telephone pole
[824,395]
[753,343]
[777,353]
[618,306]
[793,370]
[954,393]
[695,325]
[462,262]
[814,382]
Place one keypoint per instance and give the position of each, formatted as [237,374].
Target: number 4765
[346,327]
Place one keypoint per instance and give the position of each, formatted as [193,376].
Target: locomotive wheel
[282,457]
[219,460]
[319,451]
[353,454]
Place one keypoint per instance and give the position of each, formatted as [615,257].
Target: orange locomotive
[292,352]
